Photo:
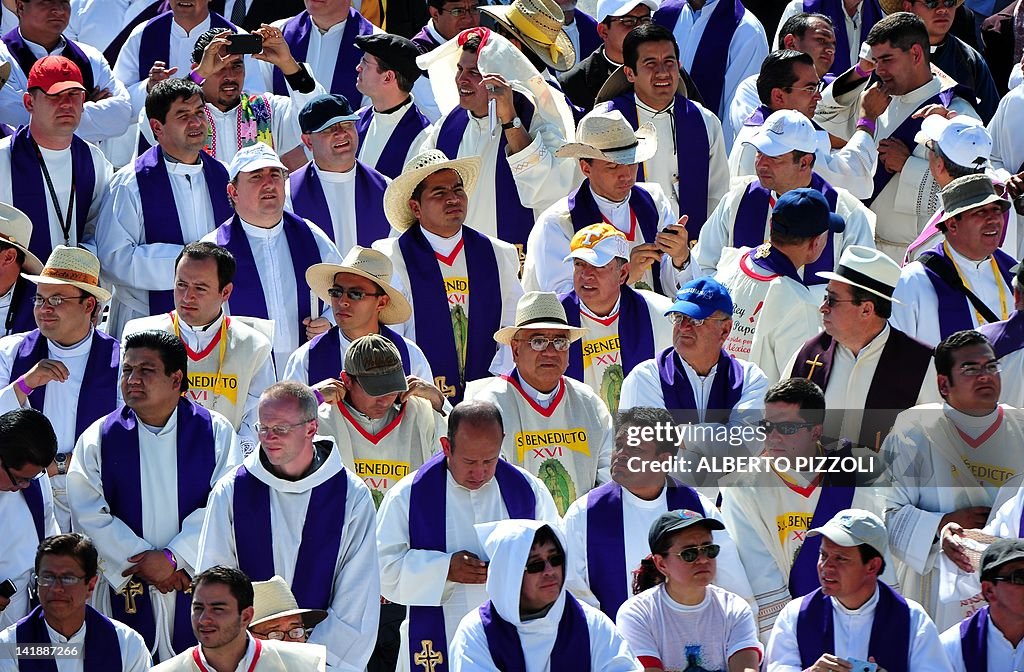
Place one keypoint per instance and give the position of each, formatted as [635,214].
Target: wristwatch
[515,123]
[62,463]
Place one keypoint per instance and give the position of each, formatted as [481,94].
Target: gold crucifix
[427,658]
[814,364]
[130,591]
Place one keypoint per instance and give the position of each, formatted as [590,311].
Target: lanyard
[65,222]
[1003,313]
[218,385]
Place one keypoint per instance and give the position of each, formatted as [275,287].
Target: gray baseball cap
[376,364]
[853,527]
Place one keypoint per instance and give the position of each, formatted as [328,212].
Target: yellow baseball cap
[598,244]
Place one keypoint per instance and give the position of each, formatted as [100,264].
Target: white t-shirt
[662,632]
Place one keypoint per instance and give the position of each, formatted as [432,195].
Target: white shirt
[1000,653]
[18,546]
[851,25]
[378,133]
[297,367]
[1007,138]
[134,654]
[98,22]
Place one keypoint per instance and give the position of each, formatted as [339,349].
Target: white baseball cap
[252,158]
[853,527]
[785,131]
[606,8]
[598,244]
[964,140]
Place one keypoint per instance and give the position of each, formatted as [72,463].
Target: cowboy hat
[617,84]
[538,310]
[73,266]
[367,263]
[606,135]
[273,599]
[16,231]
[537,23]
[419,168]
[893,6]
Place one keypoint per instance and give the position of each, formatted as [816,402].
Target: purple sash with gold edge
[726,388]
[636,335]
[392,157]
[954,307]
[99,650]
[325,354]
[871,13]
[572,642]
[296,33]
[26,59]
[974,641]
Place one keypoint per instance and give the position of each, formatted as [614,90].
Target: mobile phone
[862,665]
[244,43]
[7,588]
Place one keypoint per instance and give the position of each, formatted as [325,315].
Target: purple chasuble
[303,251]
[692,145]
[156,40]
[71,51]
[33,495]
[322,532]
[309,201]
[100,648]
[98,396]
[32,196]
[572,642]
[392,157]
[160,211]
[753,212]
[583,212]
[121,471]
[325,354]
[974,641]
[430,304]
[152,10]
[296,33]
[803,575]
[427,506]
[636,335]
[1006,336]
[955,309]
[871,12]
[606,539]
[726,388]
[712,55]
[514,220]
[890,630]
[424,41]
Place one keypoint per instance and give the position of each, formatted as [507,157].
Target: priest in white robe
[1007,339]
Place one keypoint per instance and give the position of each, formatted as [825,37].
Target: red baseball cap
[54,74]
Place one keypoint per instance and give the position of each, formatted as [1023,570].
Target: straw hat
[538,23]
[419,168]
[893,6]
[867,268]
[73,266]
[273,599]
[16,230]
[539,310]
[369,264]
[606,135]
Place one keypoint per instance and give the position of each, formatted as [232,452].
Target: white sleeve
[730,575]
[263,379]
[747,51]
[609,650]
[634,621]
[641,387]
[540,177]
[952,648]
[912,531]
[751,404]
[469,651]
[577,579]
[297,368]
[783,654]
[791,9]
[110,117]
[742,629]
[217,540]
[852,167]
[134,652]
[126,69]
[714,235]
[718,160]
[547,246]
[926,651]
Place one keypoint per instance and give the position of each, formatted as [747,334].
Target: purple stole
[572,643]
[954,307]
[322,533]
[26,59]
[325,353]
[606,551]
[871,12]
[156,40]
[753,212]
[712,55]
[99,385]
[160,212]
[803,575]
[120,472]
[1006,336]
[154,9]
[31,196]
[296,33]
[34,500]
[100,650]
[514,220]
[7,130]
[586,25]
[427,504]
[726,388]
[304,253]
[392,157]
[309,201]
[974,641]
[21,306]
[692,145]
[430,303]
[424,41]
[636,335]
[890,631]
[776,262]
[583,212]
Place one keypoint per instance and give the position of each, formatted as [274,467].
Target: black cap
[999,553]
[680,519]
[398,52]
[325,111]
[804,213]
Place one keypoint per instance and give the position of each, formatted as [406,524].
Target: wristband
[23,386]
[170,558]
[196,77]
[301,81]
[870,124]
[319,397]
[861,73]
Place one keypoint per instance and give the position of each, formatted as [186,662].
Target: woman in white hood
[531,624]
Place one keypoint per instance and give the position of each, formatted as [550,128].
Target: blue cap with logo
[700,299]
[804,213]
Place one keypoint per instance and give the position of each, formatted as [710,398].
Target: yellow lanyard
[1003,311]
[218,385]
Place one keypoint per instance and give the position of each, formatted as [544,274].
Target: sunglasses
[537,566]
[690,555]
[784,428]
[354,294]
[934,4]
[1016,578]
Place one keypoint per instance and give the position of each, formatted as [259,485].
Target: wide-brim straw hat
[419,168]
[367,263]
[273,599]
[607,136]
[539,310]
[538,23]
[73,266]
[16,230]
[893,6]
[617,84]
[867,268]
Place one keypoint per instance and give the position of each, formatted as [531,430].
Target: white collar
[336,177]
[76,350]
[585,309]
[542,398]
[333,30]
[243,664]
[972,424]
[179,168]
[865,609]
[441,245]
[56,50]
[180,33]
[876,343]
[611,205]
[650,110]
[198,332]
[433,32]
[254,231]
[961,260]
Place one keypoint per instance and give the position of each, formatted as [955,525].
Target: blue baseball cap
[804,213]
[702,298]
[325,111]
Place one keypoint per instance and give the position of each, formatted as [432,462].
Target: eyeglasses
[278,430]
[354,294]
[19,482]
[678,319]
[540,344]
[831,301]
[934,4]
[456,12]
[294,633]
[973,370]
[784,428]
[55,300]
[1016,578]
[537,566]
[690,555]
[629,22]
[810,88]
[66,580]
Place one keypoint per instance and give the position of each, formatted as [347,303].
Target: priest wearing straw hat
[535,26]
[557,428]
[449,268]
[609,152]
[15,258]
[65,368]
[276,614]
